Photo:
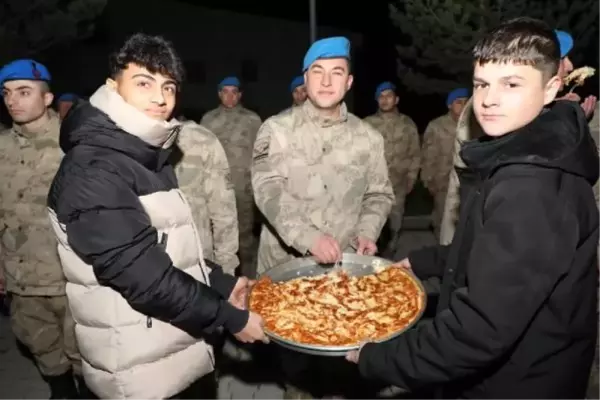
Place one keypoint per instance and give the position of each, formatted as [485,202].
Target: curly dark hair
[154,53]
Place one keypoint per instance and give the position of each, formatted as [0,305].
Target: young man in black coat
[516,315]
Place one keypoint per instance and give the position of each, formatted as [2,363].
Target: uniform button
[22,162]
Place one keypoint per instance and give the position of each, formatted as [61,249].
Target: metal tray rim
[340,350]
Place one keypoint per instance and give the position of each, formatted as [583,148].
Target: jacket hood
[558,138]
[107,121]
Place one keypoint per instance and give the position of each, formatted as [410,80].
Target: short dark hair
[523,40]
[154,53]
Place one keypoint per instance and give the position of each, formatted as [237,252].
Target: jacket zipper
[163,244]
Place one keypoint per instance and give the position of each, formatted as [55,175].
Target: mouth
[157,113]
[323,93]
[490,117]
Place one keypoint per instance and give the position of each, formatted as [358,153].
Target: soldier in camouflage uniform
[321,180]
[30,156]
[236,127]
[438,151]
[402,153]
[298,91]
[204,177]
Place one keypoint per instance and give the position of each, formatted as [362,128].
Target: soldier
[298,90]
[39,311]
[204,177]
[402,153]
[320,179]
[438,149]
[64,104]
[566,67]
[236,127]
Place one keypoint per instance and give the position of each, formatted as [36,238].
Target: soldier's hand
[326,250]
[589,105]
[253,331]
[365,246]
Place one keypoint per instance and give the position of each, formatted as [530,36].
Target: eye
[25,93]
[512,85]
[477,85]
[170,89]
[143,84]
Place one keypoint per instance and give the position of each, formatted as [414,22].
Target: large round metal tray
[354,265]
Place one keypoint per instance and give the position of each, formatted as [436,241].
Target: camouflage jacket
[28,164]
[314,176]
[595,132]
[437,153]
[402,149]
[236,130]
[204,178]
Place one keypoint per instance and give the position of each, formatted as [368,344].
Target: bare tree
[30,26]
[435,56]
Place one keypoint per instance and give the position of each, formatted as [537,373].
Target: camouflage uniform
[436,162]
[40,314]
[314,176]
[594,383]
[236,130]
[204,178]
[403,157]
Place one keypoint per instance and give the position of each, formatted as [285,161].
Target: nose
[490,97]
[326,80]
[567,65]
[158,97]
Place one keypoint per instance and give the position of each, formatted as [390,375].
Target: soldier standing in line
[437,153]
[235,126]
[204,177]
[402,153]
[30,155]
[321,180]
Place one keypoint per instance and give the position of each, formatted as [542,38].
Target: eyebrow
[167,82]
[504,78]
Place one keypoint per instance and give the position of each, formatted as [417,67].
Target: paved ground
[241,380]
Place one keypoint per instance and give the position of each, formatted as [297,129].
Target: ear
[240,96]
[350,81]
[552,88]
[48,99]
[111,83]
[397,100]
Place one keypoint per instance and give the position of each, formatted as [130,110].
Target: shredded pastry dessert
[578,76]
[336,309]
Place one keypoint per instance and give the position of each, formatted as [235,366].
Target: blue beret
[297,81]
[68,97]
[565,42]
[457,94]
[332,47]
[383,87]
[230,81]
[29,70]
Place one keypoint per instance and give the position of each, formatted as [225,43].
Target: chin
[495,129]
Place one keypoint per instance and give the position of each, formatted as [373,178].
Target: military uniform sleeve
[280,207]
[222,209]
[413,155]
[379,197]
[428,158]
[203,175]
